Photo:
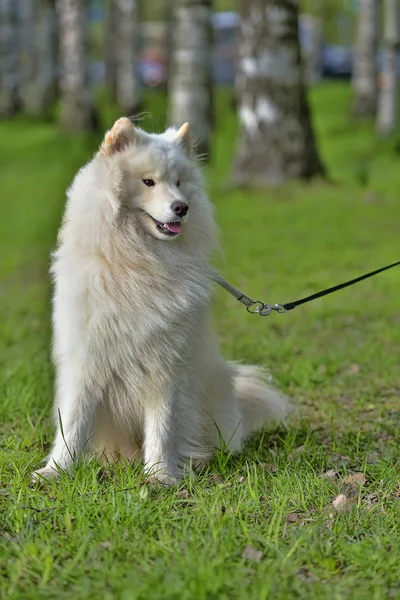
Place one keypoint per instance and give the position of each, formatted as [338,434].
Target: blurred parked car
[152,69]
[225,28]
[336,61]
[333,61]
[152,63]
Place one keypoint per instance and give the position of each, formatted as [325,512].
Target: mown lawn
[262,525]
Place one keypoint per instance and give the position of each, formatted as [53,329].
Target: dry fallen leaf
[352,484]
[373,458]
[215,478]
[339,501]
[250,553]
[355,479]
[341,458]
[183,494]
[342,503]
[296,452]
[292,517]
[330,474]
[370,498]
[269,467]
[353,369]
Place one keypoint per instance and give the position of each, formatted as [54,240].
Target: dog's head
[154,176]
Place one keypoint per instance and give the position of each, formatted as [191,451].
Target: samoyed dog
[138,371]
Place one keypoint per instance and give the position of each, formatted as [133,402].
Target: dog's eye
[178,183]
[149,182]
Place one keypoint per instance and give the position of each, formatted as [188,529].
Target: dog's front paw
[198,464]
[163,478]
[160,474]
[45,473]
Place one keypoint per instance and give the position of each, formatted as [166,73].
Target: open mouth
[169,229]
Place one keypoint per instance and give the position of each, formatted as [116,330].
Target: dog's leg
[75,417]
[160,442]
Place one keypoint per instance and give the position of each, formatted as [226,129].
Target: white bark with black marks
[276,139]
[387,101]
[190,80]
[40,60]
[169,30]
[126,42]
[9,58]
[77,111]
[365,74]
[110,50]
[26,45]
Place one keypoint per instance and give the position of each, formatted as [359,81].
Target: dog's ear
[183,137]
[119,137]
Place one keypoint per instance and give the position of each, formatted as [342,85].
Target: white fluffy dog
[139,374]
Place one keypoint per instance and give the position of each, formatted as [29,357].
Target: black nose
[180,208]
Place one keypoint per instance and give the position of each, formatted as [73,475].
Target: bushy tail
[260,402]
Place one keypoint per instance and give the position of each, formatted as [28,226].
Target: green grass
[104,533]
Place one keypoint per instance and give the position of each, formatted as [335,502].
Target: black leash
[263,309]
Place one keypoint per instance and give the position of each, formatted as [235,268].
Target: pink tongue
[174,227]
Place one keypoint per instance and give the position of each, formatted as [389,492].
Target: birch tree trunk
[126,55]
[365,74]
[77,111]
[9,58]
[276,139]
[190,80]
[169,30]
[387,101]
[39,85]
[26,46]
[110,51]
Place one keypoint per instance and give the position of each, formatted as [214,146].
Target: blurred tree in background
[64,54]
[77,109]
[387,106]
[9,68]
[276,139]
[125,43]
[169,33]
[110,43]
[39,82]
[190,79]
[365,70]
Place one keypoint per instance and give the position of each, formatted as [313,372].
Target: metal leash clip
[256,307]
[263,309]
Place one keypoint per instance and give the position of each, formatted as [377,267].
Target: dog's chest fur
[133,325]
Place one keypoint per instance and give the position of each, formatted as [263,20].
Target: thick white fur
[139,374]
